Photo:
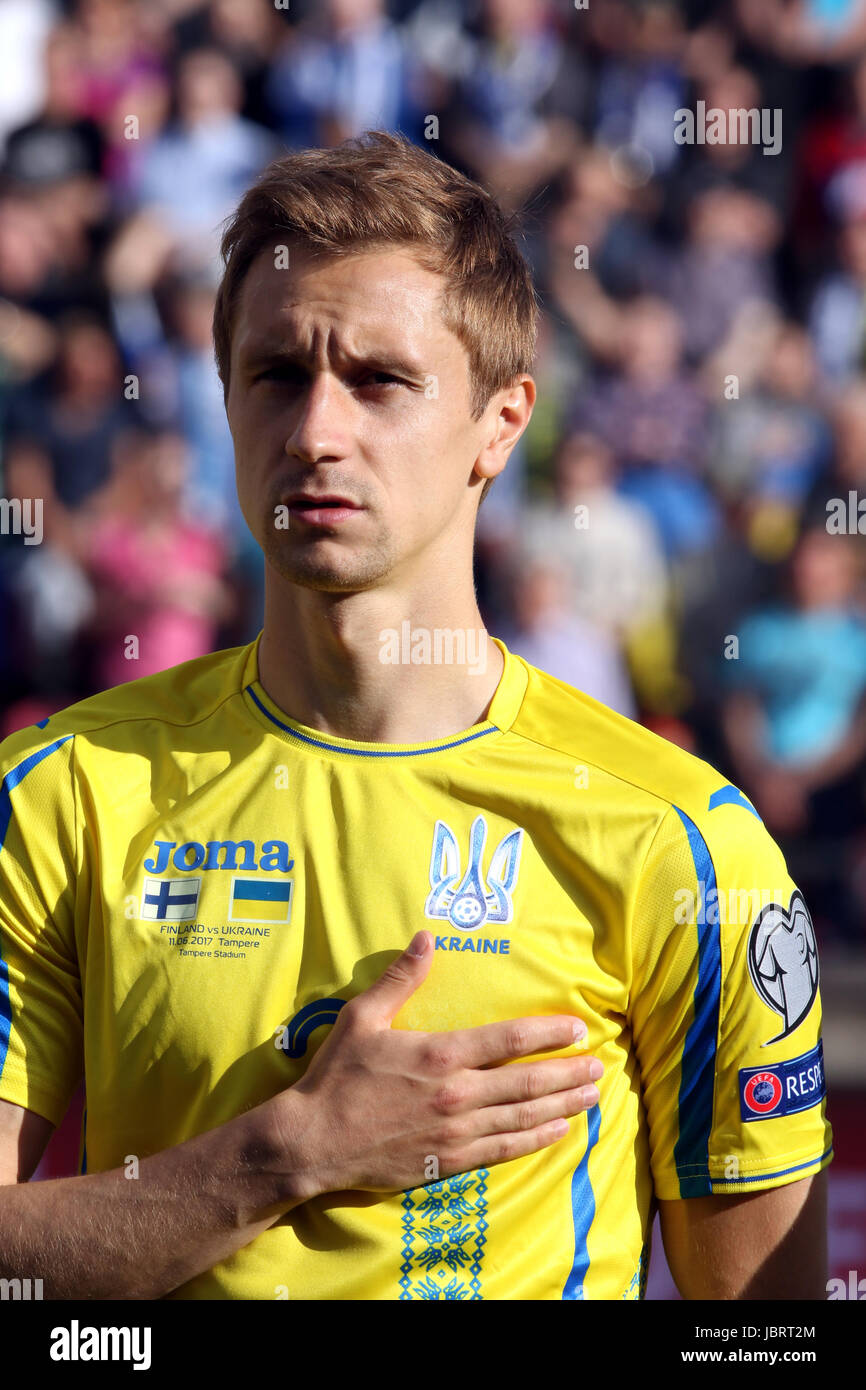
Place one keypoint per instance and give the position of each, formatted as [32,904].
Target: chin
[346,574]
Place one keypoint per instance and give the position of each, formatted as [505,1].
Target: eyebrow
[266,355]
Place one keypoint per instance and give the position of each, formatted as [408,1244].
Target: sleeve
[725,1008]
[41,1019]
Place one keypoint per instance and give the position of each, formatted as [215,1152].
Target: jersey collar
[506,702]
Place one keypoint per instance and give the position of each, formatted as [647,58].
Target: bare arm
[373,1106]
[766,1245]
[107,1235]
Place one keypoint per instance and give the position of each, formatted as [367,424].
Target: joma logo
[220,854]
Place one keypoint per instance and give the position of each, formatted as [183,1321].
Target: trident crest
[469,902]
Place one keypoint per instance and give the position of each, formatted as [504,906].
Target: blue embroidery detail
[444,1234]
[637,1286]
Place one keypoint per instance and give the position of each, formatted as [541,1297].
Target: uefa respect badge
[784,1088]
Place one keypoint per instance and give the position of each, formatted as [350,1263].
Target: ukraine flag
[260,900]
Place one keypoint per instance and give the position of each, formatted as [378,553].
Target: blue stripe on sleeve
[719,1183]
[698,1068]
[14,778]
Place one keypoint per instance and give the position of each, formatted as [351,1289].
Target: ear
[506,417]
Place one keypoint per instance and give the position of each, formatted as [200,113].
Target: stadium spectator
[194,172]
[508,125]
[159,593]
[837,318]
[72,417]
[795,720]
[653,416]
[349,69]
[61,142]
[617,573]
[724,264]
[773,444]
[642,86]
[547,633]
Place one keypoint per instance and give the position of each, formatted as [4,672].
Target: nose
[320,421]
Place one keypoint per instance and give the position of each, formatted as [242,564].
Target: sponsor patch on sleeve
[784,1088]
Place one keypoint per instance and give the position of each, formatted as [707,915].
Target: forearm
[108,1235]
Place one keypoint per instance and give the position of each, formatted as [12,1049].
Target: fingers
[473,1104]
[496,1134]
[384,999]
[528,1081]
[502,1148]
[493,1043]
[533,1114]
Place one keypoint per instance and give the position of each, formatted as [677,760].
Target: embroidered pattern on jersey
[444,1235]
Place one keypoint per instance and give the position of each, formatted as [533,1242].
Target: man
[210,876]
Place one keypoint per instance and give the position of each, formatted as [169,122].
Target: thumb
[396,985]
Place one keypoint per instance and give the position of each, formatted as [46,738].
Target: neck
[375,666]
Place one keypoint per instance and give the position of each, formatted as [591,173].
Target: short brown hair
[378,189]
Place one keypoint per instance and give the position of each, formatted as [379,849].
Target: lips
[304,501]
[321,513]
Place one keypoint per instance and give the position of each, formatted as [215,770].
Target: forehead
[375,298]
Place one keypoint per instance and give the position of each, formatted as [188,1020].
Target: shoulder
[182,695]
[566,720]
[676,803]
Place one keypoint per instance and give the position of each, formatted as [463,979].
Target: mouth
[322,511]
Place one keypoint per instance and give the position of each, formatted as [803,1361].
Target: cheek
[255,442]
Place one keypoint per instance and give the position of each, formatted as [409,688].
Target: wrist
[287,1133]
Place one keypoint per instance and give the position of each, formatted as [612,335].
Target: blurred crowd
[677,532]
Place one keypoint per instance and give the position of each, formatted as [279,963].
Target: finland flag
[169,899]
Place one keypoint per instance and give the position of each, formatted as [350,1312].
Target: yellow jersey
[192,884]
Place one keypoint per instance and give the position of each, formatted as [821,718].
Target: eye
[380,379]
[278,373]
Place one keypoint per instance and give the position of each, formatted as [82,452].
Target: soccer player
[210,877]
